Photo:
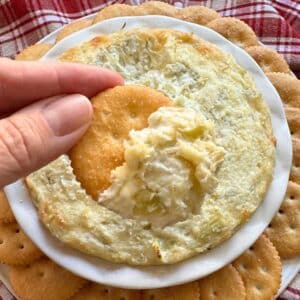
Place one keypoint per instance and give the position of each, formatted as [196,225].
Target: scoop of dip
[168,167]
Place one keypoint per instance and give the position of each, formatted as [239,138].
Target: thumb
[39,133]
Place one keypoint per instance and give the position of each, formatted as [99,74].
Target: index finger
[22,83]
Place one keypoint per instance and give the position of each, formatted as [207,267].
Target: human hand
[44,111]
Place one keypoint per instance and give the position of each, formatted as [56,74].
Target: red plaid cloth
[276,23]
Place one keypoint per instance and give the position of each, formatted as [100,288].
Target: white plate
[159,276]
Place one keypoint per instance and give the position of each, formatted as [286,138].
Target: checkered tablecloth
[276,23]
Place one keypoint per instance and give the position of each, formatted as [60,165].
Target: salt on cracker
[6,214]
[15,247]
[93,291]
[260,269]
[268,59]
[34,52]
[188,291]
[73,27]
[44,280]
[235,31]
[284,230]
[225,284]
[116,112]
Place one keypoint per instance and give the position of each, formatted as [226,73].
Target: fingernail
[67,113]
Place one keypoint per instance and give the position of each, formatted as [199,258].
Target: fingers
[39,133]
[22,83]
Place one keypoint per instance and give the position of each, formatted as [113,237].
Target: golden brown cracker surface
[73,27]
[260,269]
[268,59]
[235,31]
[34,52]
[6,214]
[155,8]
[188,291]
[116,112]
[197,14]
[113,11]
[293,119]
[295,171]
[44,280]
[287,86]
[15,247]
[284,230]
[93,291]
[225,284]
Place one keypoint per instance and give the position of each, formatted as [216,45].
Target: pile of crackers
[256,274]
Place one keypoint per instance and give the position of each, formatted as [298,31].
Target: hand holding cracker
[44,111]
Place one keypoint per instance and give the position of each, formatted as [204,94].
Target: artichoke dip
[190,179]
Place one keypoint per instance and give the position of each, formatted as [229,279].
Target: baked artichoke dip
[189,179]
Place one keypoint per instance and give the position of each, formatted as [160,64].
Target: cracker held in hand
[94,291]
[116,112]
[186,150]
[225,284]
[260,269]
[15,247]
[6,214]
[44,280]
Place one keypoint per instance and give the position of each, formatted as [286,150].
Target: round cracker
[15,247]
[284,230]
[268,59]
[287,86]
[260,269]
[33,52]
[225,284]
[156,8]
[6,214]
[44,280]
[197,14]
[188,291]
[234,30]
[113,11]
[93,291]
[116,112]
[73,27]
